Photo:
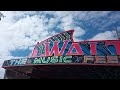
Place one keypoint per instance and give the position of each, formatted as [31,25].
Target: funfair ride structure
[60,57]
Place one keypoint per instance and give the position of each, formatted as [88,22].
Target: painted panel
[61,49]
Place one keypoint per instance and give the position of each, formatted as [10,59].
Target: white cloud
[107,35]
[78,32]
[61,14]
[87,15]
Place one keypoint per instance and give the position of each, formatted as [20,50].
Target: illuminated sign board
[61,49]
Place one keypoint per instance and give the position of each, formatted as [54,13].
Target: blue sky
[20,30]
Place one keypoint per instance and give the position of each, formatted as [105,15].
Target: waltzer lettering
[99,48]
[46,50]
[37,61]
[55,49]
[89,59]
[67,59]
[93,48]
[112,59]
[52,59]
[77,48]
[116,44]
[100,59]
[18,62]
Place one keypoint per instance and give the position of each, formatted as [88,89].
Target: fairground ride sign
[61,49]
